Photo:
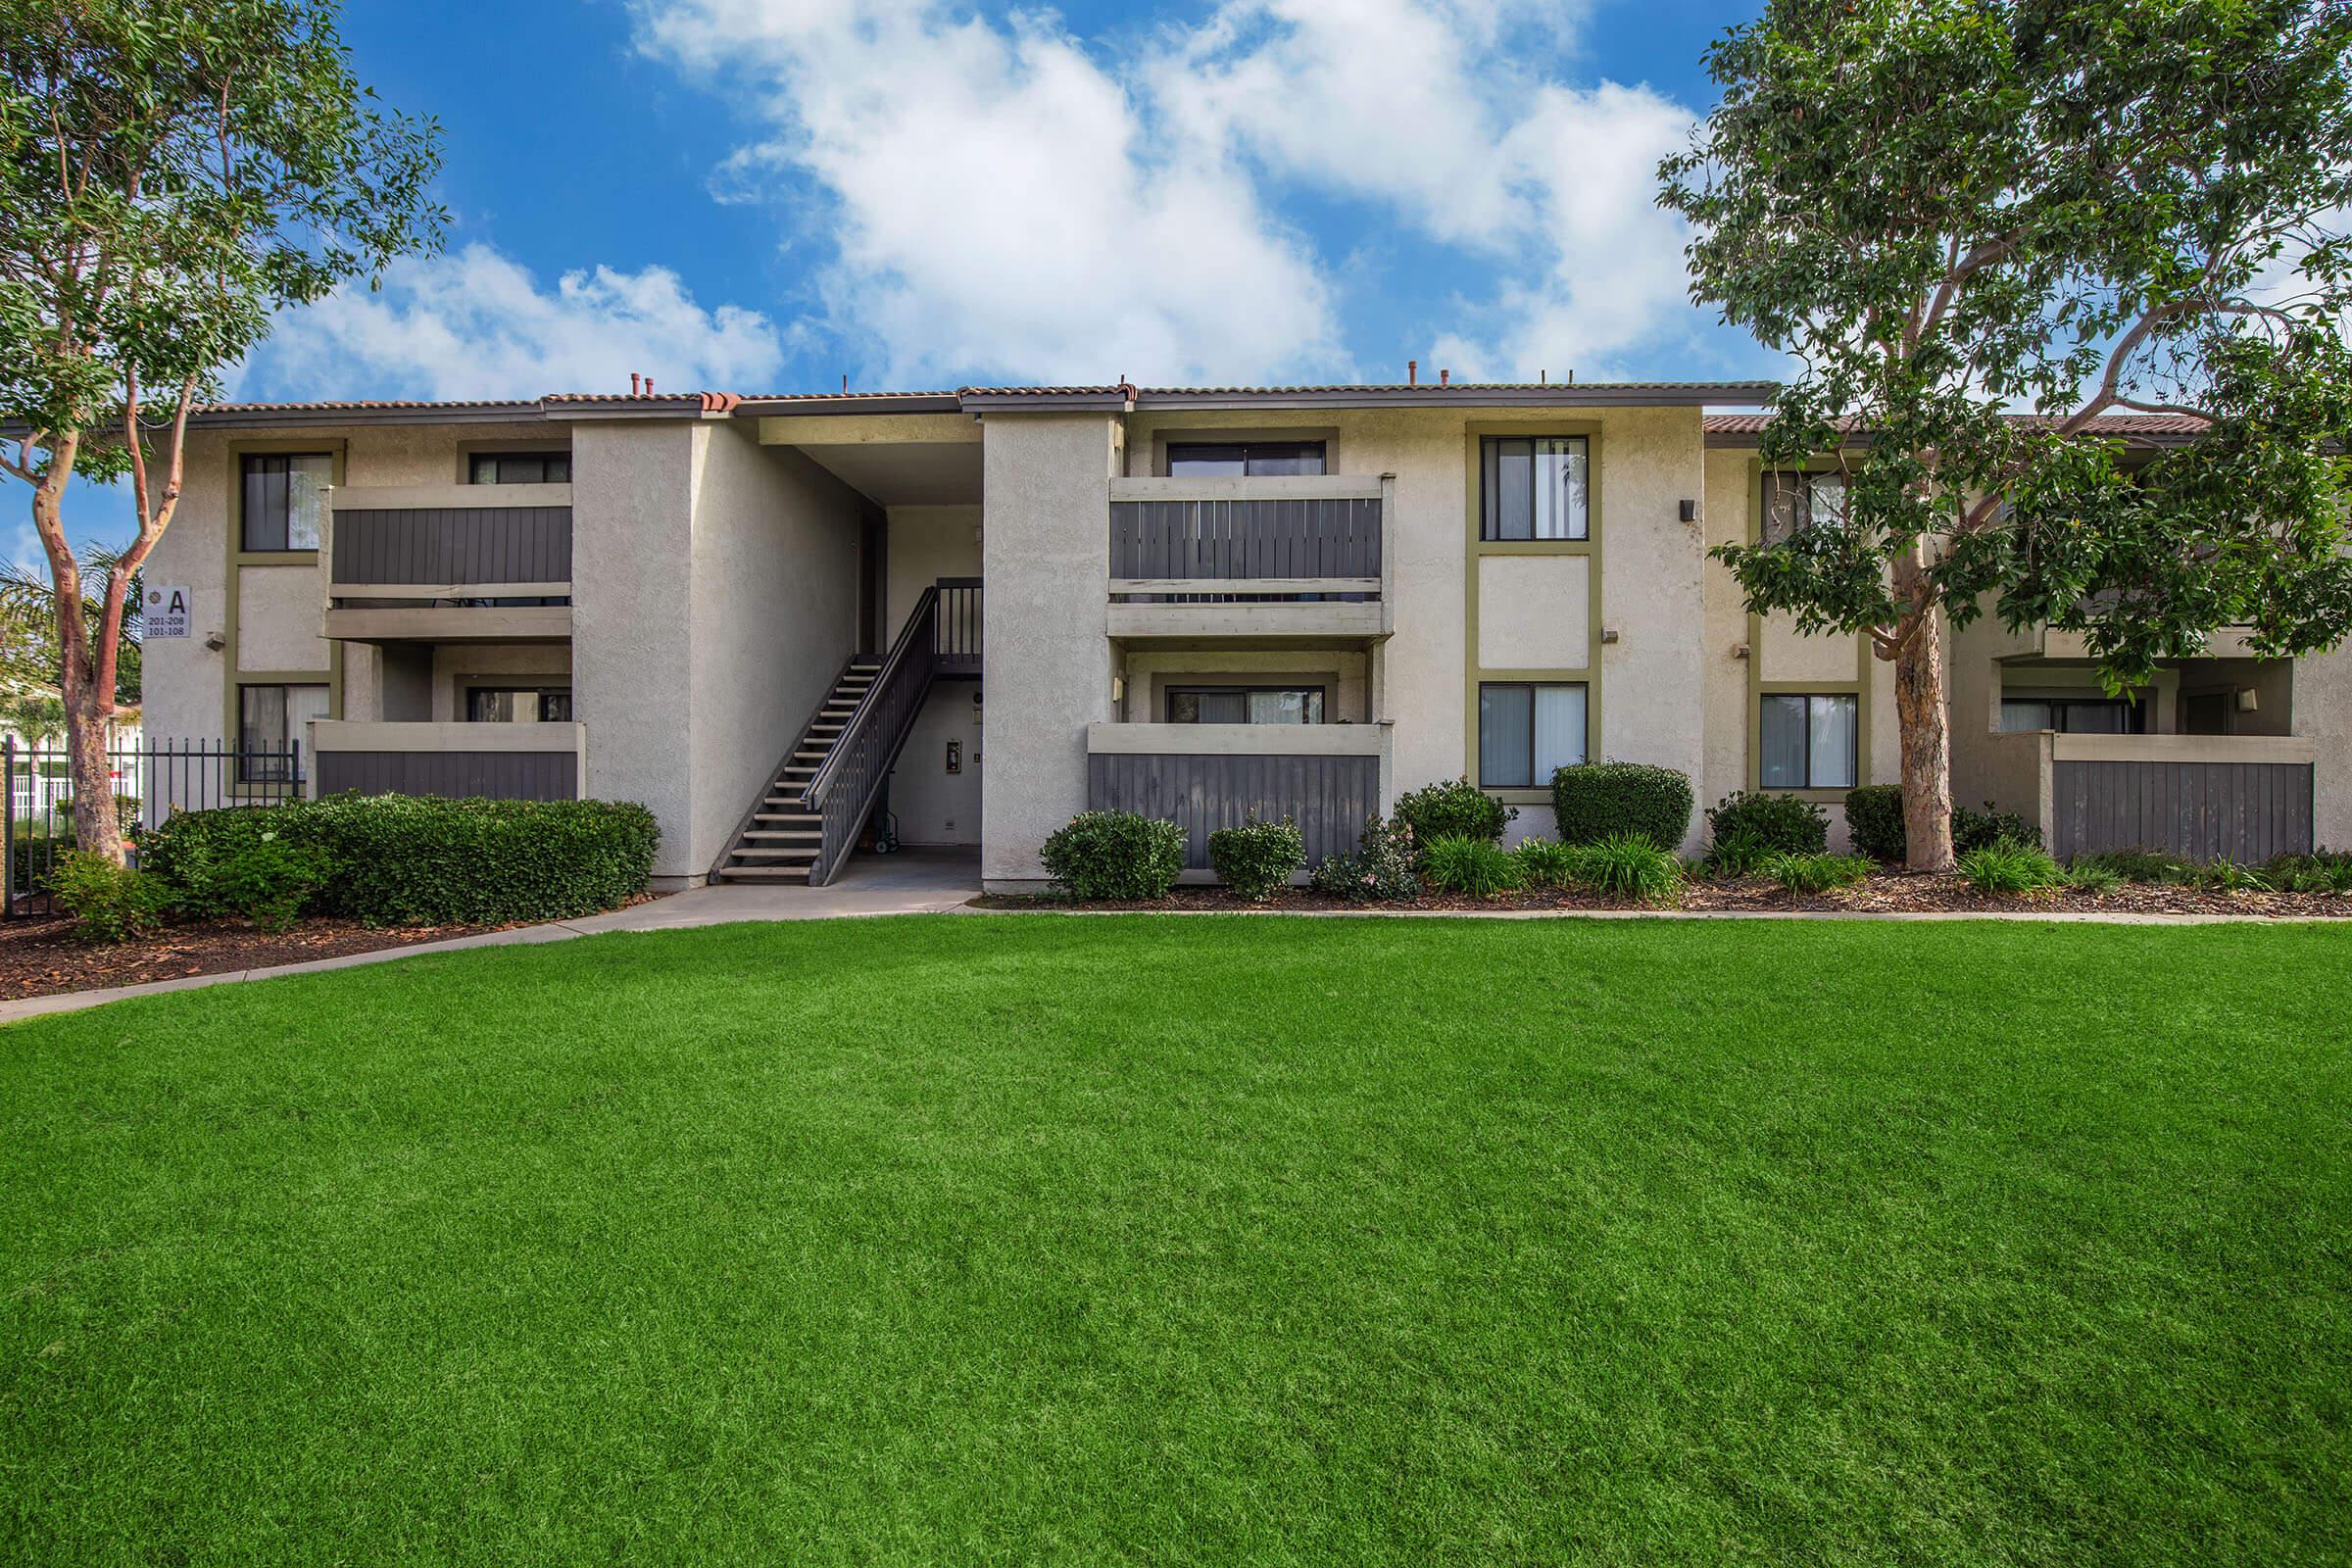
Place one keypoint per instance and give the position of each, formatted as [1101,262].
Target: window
[518,704]
[1215,459]
[1533,487]
[1245,705]
[520,467]
[270,727]
[2073,715]
[283,499]
[1810,741]
[1795,502]
[1526,732]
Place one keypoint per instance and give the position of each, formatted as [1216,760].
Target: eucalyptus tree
[172,177]
[1951,213]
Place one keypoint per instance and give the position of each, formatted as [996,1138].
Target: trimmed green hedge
[1114,855]
[1257,858]
[1599,801]
[422,859]
[1450,807]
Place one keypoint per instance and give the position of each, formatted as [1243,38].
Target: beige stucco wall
[1047,660]
[1535,611]
[934,805]
[773,583]
[924,544]
[458,665]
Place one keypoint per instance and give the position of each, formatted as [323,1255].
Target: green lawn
[1209,1240]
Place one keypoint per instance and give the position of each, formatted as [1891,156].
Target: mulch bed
[1887,893]
[41,956]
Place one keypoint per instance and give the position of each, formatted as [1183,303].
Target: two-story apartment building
[984,611]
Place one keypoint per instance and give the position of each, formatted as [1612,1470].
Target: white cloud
[473,323]
[1005,202]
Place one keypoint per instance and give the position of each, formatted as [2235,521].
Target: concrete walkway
[941,881]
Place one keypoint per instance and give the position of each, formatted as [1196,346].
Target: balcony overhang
[453,624]
[2292,750]
[1238,740]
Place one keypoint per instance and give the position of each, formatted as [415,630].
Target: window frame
[1169,693]
[1479,728]
[475,458]
[242,536]
[1489,484]
[1771,478]
[2136,709]
[1856,747]
[247,772]
[473,689]
[1245,446]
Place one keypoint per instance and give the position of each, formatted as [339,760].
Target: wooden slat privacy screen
[2245,811]
[440,544]
[1228,539]
[499,775]
[1328,798]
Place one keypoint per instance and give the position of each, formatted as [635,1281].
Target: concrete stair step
[800,855]
[761,873]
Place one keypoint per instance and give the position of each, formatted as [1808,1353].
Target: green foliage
[2226,875]
[1118,856]
[1973,830]
[1548,863]
[269,881]
[108,902]
[1599,801]
[1455,862]
[1382,869]
[2085,877]
[1816,873]
[2007,867]
[2150,866]
[1629,865]
[1744,827]
[417,859]
[1453,806]
[1873,820]
[2322,870]
[1257,858]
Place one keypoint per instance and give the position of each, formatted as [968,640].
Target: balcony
[1304,557]
[1326,778]
[2244,797]
[502,761]
[450,564]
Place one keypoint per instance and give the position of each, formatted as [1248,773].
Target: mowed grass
[1196,1240]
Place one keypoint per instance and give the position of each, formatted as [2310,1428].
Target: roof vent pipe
[632,383]
[649,386]
[1445,378]
[1412,372]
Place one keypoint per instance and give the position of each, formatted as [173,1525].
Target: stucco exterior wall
[455,666]
[934,805]
[1046,657]
[1724,673]
[773,587]
[923,545]
[2323,711]
[1339,672]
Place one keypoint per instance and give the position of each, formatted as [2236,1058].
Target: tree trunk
[1924,724]
[89,701]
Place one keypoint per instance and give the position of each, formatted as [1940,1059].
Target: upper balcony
[1293,557]
[450,563]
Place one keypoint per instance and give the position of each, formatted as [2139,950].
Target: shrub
[271,881]
[1873,820]
[1453,806]
[1548,863]
[1114,855]
[1599,801]
[2136,865]
[1814,872]
[2007,867]
[1256,858]
[2226,875]
[1751,827]
[2087,876]
[1455,862]
[1874,816]
[2320,872]
[108,901]
[1381,870]
[422,860]
[1628,866]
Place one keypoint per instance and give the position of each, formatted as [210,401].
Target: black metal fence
[150,780]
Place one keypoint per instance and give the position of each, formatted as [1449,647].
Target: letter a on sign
[167,613]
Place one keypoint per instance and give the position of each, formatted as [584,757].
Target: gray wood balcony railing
[472,536]
[1297,554]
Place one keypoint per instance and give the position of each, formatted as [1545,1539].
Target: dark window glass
[270,723]
[1527,731]
[1793,502]
[1809,741]
[1256,460]
[2070,716]
[285,497]
[521,467]
[518,704]
[1534,487]
[1245,705]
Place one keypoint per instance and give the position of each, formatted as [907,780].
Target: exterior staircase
[783,839]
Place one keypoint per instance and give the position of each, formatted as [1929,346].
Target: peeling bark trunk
[89,702]
[1924,724]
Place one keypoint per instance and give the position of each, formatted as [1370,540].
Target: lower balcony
[547,762]
[2243,798]
[1325,778]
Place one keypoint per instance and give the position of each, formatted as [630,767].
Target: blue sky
[767,195]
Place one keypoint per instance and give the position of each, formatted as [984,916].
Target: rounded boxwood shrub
[1746,827]
[1454,808]
[1874,819]
[1597,801]
[420,859]
[1256,858]
[1114,855]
